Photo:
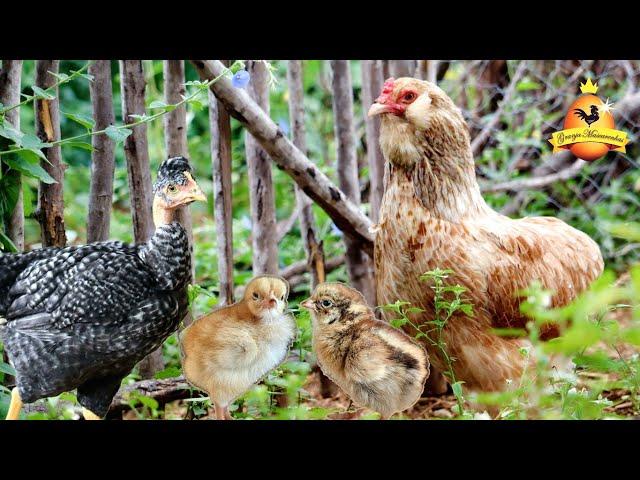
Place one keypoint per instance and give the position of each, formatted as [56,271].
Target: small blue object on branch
[240,79]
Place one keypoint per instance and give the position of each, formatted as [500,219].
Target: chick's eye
[256,296]
[326,303]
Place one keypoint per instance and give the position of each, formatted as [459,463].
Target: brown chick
[433,216]
[226,352]
[378,366]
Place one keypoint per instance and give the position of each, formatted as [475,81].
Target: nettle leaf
[84,120]
[82,145]
[119,134]
[31,141]
[40,93]
[63,77]
[197,105]
[9,131]
[157,104]
[83,75]
[140,118]
[24,164]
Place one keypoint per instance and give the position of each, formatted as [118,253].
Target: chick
[232,348]
[378,366]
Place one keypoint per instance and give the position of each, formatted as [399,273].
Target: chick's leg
[222,412]
[89,415]
[15,406]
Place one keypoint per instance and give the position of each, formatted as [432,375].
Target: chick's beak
[308,304]
[193,192]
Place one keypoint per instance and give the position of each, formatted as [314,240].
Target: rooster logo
[589,119]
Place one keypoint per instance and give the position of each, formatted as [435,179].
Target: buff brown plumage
[433,216]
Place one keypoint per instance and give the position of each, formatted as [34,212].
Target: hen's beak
[308,304]
[379,108]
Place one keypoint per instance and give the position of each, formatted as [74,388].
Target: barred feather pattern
[82,317]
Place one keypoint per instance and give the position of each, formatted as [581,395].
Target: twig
[536,182]
[481,138]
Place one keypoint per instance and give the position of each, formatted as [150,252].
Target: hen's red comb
[387,89]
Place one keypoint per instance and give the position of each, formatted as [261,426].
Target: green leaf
[119,134]
[169,372]
[25,166]
[82,145]
[7,244]
[62,77]
[8,131]
[157,104]
[8,369]
[84,120]
[31,141]
[40,93]
[457,389]
[139,118]
[27,199]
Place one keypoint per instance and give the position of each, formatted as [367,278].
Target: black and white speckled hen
[81,317]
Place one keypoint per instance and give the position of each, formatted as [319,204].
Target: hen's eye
[409,97]
[282,297]
[256,296]
[326,303]
[172,189]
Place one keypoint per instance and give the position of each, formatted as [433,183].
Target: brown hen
[433,216]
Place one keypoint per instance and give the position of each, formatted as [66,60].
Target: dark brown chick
[378,366]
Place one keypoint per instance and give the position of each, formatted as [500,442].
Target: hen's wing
[12,265]
[562,258]
[83,312]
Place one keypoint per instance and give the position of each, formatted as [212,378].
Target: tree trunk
[175,140]
[308,229]
[345,214]
[372,87]
[103,155]
[263,213]
[402,68]
[10,74]
[220,127]
[140,189]
[359,265]
[50,197]
[175,132]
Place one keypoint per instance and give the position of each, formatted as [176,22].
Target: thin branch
[536,182]
[482,137]
[345,214]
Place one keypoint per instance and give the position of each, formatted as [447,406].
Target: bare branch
[536,182]
[482,137]
[345,214]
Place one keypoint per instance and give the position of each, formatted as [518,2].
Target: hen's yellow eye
[172,189]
